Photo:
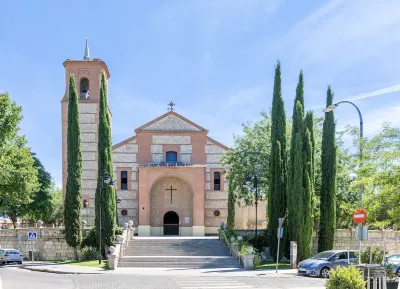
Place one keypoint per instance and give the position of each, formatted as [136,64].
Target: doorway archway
[171,223]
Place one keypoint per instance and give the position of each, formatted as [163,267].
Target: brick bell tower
[87,74]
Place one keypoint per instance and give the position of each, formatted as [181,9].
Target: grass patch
[94,264]
[272,266]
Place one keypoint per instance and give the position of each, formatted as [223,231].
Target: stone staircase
[177,252]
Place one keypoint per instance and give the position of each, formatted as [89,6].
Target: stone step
[177,258]
[180,264]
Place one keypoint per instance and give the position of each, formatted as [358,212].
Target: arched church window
[84,88]
[171,157]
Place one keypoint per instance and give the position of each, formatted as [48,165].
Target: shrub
[90,239]
[377,256]
[344,278]
[89,253]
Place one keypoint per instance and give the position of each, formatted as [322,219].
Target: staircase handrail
[119,250]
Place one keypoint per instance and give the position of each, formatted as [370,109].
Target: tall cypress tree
[327,225]
[231,204]
[107,199]
[73,195]
[278,163]
[295,180]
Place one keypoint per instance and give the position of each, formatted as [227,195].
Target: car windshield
[394,259]
[323,255]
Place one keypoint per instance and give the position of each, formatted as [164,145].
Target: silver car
[8,256]
[323,262]
[395,261]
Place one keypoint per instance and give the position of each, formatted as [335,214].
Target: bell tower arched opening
[84,88]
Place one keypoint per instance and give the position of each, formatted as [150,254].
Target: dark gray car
[323,262]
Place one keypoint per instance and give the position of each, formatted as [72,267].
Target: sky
[214,59]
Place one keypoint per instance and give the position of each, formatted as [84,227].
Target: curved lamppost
[105,178]
[360,193]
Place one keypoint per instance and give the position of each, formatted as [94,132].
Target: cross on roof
[171,104]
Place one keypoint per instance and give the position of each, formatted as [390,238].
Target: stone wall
[50,244]
[346,239]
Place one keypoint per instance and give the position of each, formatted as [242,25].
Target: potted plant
[392,280]
[344,278]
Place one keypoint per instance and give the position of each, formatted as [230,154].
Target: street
[15,278]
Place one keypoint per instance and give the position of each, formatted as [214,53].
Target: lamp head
[111,184]
[247,181]
[106,177]
[330,108]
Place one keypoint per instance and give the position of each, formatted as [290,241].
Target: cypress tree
[107,199]
[327,227]
[231,204]
[278,163]
[73,194]
[307,223]
[295,181]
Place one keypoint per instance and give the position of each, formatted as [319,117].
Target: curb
[57,271]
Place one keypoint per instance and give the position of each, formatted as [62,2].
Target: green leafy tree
[41,206]
[107,199]
[327,227]
[57,214]
[278,163]
[380,176]
[18,176]
[73,195]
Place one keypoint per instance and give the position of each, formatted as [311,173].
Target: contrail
[370,94]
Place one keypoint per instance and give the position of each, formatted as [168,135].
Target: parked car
[8,256]
[323,262]
[395,261]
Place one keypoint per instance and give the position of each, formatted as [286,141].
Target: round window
[216,213]
[124,212]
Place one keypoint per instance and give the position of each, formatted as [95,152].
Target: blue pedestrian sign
[32,236]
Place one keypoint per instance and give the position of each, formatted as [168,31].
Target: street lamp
[105,178]
[329,109]
[247,183]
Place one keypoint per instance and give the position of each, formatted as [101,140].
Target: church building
[168,175]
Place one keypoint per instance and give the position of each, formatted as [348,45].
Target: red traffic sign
[359,216]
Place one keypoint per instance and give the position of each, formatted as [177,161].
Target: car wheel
[398,272]
[324,273]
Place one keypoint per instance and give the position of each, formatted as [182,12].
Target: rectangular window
[124,180]
[217,181]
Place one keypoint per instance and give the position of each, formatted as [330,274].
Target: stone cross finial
[171,104]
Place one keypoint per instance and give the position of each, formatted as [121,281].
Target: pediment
[171,121]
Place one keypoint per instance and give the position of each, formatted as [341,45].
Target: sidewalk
[239,272]
[62,268]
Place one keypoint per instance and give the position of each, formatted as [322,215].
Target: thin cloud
[391,89]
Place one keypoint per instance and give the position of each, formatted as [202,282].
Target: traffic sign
[32,236]
[359,216]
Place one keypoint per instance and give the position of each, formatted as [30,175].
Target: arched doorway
[171,223]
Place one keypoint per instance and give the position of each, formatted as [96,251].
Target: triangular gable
[171,121]
[211,141]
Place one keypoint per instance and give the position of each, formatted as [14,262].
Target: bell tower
[87,73]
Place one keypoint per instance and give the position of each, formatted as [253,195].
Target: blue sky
[214,59]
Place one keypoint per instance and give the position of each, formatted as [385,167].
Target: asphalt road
[15,278]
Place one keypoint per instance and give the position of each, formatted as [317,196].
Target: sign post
[279,235]
[32,236]
[359,217]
